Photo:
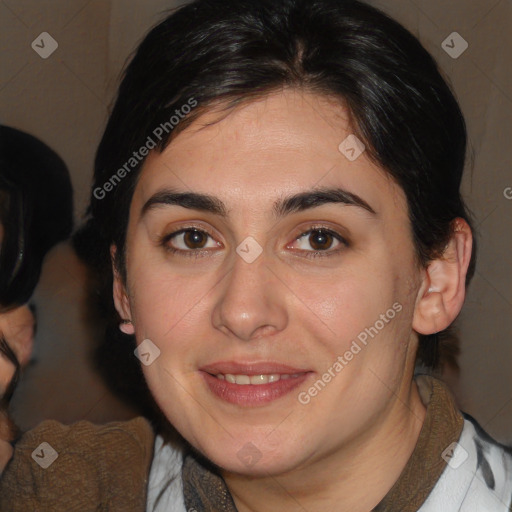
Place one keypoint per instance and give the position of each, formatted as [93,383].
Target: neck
[353,478]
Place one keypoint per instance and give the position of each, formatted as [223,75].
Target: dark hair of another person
[36,211]
[230,52]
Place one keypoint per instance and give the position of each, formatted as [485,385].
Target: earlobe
[443,289]
[120,296]
[126,326]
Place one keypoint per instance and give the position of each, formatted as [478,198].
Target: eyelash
[197,253]
[329,252]
[191,253]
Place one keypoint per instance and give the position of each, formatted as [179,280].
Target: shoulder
[54,465]
[117,440]
[478,475]
[493,465]
[80,432]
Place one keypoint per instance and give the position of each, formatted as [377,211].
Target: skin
[348,445]
[17,327]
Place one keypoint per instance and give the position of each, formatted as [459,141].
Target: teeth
[255,379]
[259,379]
[242,379]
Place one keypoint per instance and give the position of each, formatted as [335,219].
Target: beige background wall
[64,101]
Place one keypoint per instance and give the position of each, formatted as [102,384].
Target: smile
[256,380]
[251,384]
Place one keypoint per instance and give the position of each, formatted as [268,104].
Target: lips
[252,384]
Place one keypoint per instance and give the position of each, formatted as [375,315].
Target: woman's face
[17,328]
[262,259]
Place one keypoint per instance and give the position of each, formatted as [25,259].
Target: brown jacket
[98,468]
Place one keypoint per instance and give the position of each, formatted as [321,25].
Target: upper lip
[256,368]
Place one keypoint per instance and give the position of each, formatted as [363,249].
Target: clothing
[98,468]
[165,478]
[121,467]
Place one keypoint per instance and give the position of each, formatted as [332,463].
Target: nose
[251,302]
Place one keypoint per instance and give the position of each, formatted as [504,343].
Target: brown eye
[189,240]
[320,240]
[195,239]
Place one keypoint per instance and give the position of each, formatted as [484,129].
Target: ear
[121,300]
[443,288]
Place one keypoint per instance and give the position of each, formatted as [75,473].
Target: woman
[277,191]
[36,212]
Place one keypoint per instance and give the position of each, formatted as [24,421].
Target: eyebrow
[282,207]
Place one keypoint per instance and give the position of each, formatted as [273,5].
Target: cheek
[165,305]
[342,307]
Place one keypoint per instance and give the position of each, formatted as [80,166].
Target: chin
[253,458]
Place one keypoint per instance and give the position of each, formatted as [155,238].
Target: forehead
[286,143]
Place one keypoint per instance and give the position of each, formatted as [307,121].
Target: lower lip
[251,395]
